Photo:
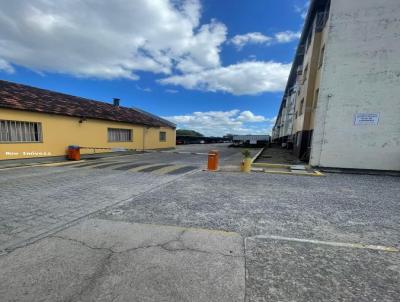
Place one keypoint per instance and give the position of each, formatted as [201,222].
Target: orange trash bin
[213,157]
[74,153]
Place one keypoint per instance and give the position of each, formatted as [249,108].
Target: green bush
[246,153]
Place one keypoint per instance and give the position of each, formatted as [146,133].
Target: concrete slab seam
[329,243]
[25,242]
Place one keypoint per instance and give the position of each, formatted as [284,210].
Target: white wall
[361,74]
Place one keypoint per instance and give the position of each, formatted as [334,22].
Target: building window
[316,98]
[20,132]
[309,38]
[163,136]
[301,107]
[119,135]
[321,57]
[305,74]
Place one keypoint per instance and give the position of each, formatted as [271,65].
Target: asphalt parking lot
[196,235]
[37,200]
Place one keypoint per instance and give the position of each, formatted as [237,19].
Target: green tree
[186,132]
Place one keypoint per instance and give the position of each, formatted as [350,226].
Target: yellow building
[41,123]
[308,84]
[296,118]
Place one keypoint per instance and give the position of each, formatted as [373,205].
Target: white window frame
[20,132]
[119,135]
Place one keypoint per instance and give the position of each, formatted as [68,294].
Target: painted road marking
[102,166]
[157,168]
[330,243]
[181,152]
[153,168]
[43,165]
[58,164]
[20,167]
[143,166]
[130,166]
[168,169]
[88,164]
[182,170]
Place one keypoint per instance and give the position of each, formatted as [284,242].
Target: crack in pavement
[172,245]
[164,245]
[59,227]
[91,283]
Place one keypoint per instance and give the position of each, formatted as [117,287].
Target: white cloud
[108,39]
[302,9]
[145,89]
[117,39]
[218,123]
[5,66]
[171,91]
[258,38]
[287,36]
[246,78]
[250,117]
[250,38]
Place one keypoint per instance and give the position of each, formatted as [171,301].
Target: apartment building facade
[341,99]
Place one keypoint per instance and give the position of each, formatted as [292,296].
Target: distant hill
[185,132]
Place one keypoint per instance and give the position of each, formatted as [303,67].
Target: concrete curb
[288,167]
[267,165]
[313,174]
[255,157]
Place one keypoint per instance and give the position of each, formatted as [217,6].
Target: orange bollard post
[213,158]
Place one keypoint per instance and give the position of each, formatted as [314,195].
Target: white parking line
[330,243]
[185,152]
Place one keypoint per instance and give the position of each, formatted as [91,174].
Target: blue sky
[215,66]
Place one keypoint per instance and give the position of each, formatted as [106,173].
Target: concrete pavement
[101,260]
[183,154]
[288,270]
[323,225]
[337,207]
[36,201]
[102,234]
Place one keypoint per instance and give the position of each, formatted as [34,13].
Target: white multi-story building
[347,105]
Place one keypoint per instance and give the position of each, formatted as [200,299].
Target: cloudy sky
[212,66]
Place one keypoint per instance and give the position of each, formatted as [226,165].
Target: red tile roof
[22,97]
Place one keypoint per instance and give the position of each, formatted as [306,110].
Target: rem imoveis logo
[28,153]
